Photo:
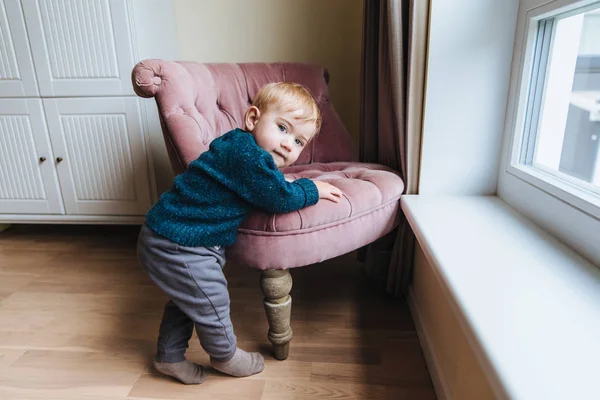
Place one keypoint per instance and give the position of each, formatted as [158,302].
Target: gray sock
[185,371]
[242,364]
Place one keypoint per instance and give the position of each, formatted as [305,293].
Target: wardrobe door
[17,76]
[80,48]
[28,181]
[100,155]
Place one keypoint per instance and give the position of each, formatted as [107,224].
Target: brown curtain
[392,87]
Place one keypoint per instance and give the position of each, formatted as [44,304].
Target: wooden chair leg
[276,286]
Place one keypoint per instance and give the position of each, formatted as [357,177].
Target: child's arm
[251,173]
[326,190]
[260,183]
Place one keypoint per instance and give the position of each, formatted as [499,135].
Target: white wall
[470,52]
[155,20]
[328,33]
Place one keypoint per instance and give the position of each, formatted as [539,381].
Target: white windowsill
[529,305]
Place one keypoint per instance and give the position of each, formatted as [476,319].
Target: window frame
[583,196]
[546,198]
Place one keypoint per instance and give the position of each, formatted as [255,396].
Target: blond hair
[291,96]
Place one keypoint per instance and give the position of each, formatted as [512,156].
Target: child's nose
[286,144]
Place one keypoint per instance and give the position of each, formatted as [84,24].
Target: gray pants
[193,279]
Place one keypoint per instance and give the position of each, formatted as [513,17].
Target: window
[560,133]
[550,170]
[564,117]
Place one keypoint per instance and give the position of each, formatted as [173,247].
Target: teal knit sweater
[208,201]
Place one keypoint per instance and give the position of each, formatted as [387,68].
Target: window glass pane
[567,115]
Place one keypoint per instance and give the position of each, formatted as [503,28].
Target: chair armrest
[150,77]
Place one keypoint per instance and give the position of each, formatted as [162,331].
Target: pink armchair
[199,102]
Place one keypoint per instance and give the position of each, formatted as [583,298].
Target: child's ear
[251,118]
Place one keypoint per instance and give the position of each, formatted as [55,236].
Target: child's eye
[299,142]
[282,128]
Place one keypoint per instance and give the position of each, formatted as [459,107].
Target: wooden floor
[78,320]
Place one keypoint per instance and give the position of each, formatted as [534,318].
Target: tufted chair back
[199,102]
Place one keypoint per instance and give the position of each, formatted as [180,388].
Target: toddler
[181,245]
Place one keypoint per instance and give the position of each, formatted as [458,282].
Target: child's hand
[328,191]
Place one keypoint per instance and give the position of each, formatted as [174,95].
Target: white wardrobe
[74,138]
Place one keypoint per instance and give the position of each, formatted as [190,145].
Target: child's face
[280,132]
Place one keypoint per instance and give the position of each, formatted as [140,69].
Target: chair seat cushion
[368,210]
